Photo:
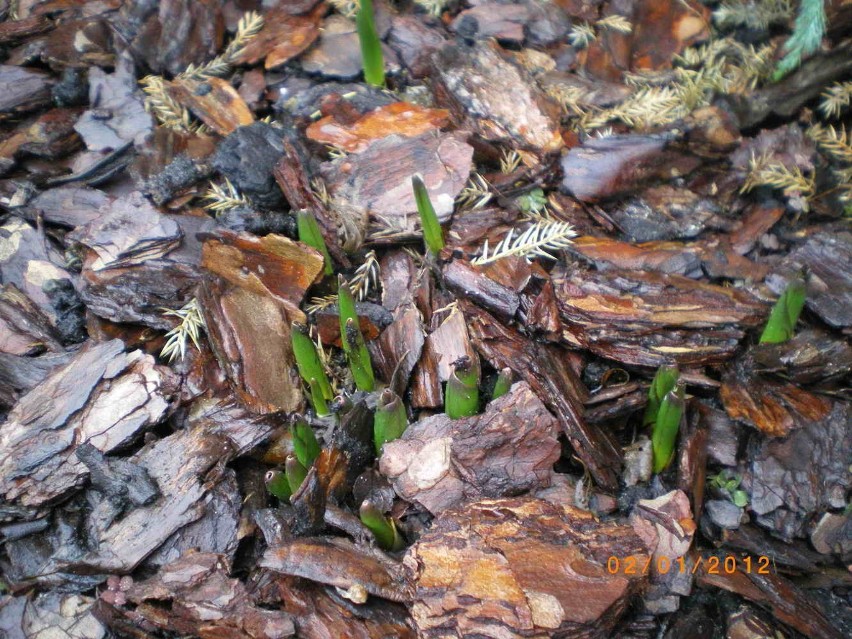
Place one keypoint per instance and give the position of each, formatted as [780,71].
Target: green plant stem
[277,484]
[310,234]
[352,339]
[307,359]
[317,399]
[305,444]
[462,395]
[664,381]
[665,430]
[502,384]
[784,315]
[390,421]
[295,471]
[383,528]
[371,46]
[432,234]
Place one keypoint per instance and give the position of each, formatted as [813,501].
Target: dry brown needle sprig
[836,99]
[790,181]
[224,197]
[169,112]
[190,327]
[476,194]
[537,241]
[836,143]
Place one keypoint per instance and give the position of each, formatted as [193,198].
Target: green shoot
[305,444]
[383,528]
[785,314]
[729,484]
[666,427]
[295,472]
[352,339]
[503,383]
[806,38]
[371,46]
[462,396]
[309,233]
[664,381]
[308,361]
[390,420]
[277,484]
[432,235]
[317,399]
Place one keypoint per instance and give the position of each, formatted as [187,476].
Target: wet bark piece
[129,230]
[338,53]
[247,158]
[400,346]
[783,599]
[509,449]
[69,206]
[773,407]
[64,615]
[283,37]
[27,260]
[51,136]
[473,282]
[103,396]
[318,614]
[649,319]
[446,344]
[22,90]
[379,179]
[339,562]
[499,100]
[794,478]
[180,33]
[14,30]
[273,266]
[401,118]
[117,114]
[811,356]
[24,329]
[663,30]
[20,374]
[520,567]
[195,596]
[661,257]
[827,258]
[414,42]
[214,101]
[665,213]
[492,20]
[546,369]
[250,335]
[617,164]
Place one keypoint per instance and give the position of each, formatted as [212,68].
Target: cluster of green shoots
[728,484]
[285,483]
[663,414]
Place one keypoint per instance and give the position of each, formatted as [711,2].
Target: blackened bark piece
[792,479]
[214,101]
[273,266]
[546,369]
[24,329]
[773,407]
[117,114]
[130,230]
[472,282]
[124,483]
[783,599]
[811,356]
[339,562]
[665,213]
[520,567]
[325,481]
[22,90]
[318,614]
[247,158]
[180,33]
[510,449]
[28,260]
[499,100]
[827,259]
[250,335]
[104,396]
[196,596]
[379,179]
[649,319]
[617,164]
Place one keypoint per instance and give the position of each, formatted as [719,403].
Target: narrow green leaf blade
[665,430]
[371,46]
[784,315]
[305,444]
[310,234]
[432,234]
